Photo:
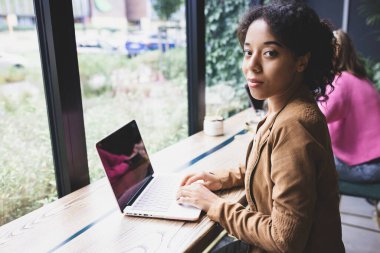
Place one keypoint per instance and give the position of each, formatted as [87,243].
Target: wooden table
[88,220]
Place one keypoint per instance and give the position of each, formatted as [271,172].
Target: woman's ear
[302,62]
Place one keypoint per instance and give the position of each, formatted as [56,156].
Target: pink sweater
[353,116]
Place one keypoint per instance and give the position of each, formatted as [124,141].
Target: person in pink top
[353,115]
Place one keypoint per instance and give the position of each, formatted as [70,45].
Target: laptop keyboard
[158,197]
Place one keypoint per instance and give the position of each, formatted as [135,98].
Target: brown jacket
[291,185]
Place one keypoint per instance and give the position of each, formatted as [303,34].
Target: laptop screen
[125,162]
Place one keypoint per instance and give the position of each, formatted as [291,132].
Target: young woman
[290,178]
[353,117]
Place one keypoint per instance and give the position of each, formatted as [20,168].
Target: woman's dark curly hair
[299,28]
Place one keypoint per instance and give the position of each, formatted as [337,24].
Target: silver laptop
[138,190]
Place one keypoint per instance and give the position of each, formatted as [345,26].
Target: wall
[363,36]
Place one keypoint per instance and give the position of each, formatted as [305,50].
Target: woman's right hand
[209,179]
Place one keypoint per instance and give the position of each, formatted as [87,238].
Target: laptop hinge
[139,191]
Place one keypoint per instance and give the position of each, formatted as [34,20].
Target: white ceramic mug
[213,125]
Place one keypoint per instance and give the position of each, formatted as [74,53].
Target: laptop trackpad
[186,212]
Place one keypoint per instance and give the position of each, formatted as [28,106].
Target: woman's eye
[271,53]
[247,53]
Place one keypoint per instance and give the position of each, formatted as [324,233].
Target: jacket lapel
[252,160]
[262,137]
[260,140]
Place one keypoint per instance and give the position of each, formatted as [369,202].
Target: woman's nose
[254,63]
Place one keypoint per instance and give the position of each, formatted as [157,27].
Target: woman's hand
[198,195]
[210,181]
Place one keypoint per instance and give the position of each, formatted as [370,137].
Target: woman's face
[271,70]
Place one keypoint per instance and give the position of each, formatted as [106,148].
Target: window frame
[196,64]
[56,36]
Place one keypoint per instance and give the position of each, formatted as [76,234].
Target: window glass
[132,64]
[26,163]
[225,93]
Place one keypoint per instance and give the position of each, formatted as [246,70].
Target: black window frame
[56,35]
[196,64]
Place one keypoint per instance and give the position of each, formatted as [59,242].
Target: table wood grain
[89,220]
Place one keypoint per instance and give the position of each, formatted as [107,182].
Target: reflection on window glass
[26,163]
[132,64]
[225,94]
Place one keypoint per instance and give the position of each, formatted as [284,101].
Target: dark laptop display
[126,163]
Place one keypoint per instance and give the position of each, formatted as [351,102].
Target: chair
[368,191]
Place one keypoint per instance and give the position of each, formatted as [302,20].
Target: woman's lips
[253,83]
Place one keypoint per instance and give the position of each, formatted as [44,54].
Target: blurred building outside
[102,22]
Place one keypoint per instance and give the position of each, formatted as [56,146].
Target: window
[132,64]
[225,93]
[26,163]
